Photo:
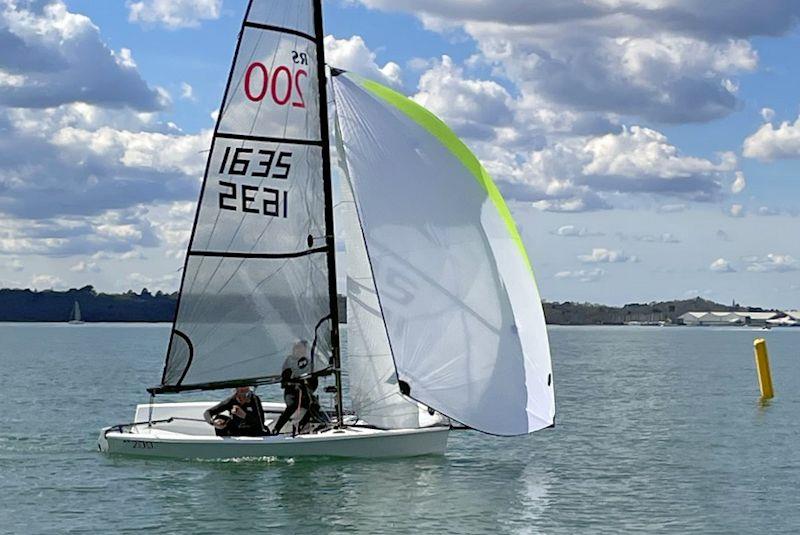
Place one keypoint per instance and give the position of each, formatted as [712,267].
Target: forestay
[453,280]
[256,280]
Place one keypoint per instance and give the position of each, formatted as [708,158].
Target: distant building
[757,319]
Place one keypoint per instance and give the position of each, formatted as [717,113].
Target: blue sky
[649,149]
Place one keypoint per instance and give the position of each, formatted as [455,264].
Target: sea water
[658,430]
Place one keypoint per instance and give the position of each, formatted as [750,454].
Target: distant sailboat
[444,316]
[75,317]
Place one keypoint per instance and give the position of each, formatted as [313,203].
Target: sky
[648,149]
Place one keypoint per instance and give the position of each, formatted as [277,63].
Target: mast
[336,357]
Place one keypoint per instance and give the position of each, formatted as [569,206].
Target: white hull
[190,439]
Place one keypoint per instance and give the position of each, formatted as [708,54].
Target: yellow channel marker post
[762,367]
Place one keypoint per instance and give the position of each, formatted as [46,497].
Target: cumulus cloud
[772,263]
[50,56]
[664,237]
[100,166]
[114,231]
[606,256]
[572,174]
[174,14]
[353,55]
[767,114]
[46,282]
[13,264]
[573,231]
[739,183]
[736,210]
[187,92]
[85,267]
[641,159]
[774,143]
[672,208]
[583,275]
[767,211]
[670,60]
[472,107]
[720,265]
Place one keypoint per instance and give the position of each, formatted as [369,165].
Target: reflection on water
[657,430]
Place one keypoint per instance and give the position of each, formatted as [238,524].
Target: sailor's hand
[219,423]
[237,410]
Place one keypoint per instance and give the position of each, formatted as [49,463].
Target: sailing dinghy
[75,315]
[445,321]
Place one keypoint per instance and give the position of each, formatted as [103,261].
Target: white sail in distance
[454,283]
[256,284]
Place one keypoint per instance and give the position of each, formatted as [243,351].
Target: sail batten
[256,282]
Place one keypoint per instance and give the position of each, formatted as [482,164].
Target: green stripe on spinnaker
[449,139]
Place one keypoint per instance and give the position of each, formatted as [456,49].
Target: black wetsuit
[297,394]
[252,425]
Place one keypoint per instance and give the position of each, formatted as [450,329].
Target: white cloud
[569,174]
[85,267]
[664,237]
[773,263]
[353,55]
[14,264]
[767,114]
[720,265]
[773,143]
[187,92]
[767,211]
[472,107]
[606,256]
[665,60]
[573,231]
[641,159]
[62,59]
[46,282]
[583,275]
[672,208]
[739,183]
[174,14]
[736,210]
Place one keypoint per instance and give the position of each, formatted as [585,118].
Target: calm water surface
[658,430]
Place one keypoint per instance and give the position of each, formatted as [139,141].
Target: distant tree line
[56,306]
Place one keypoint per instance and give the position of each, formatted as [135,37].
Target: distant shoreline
[49,306]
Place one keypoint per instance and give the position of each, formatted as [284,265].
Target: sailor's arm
[214,411]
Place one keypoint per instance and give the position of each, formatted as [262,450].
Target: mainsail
[453,283]
[76,313]
[258,281]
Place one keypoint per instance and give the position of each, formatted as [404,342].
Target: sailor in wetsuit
[297,392]
[246,415]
